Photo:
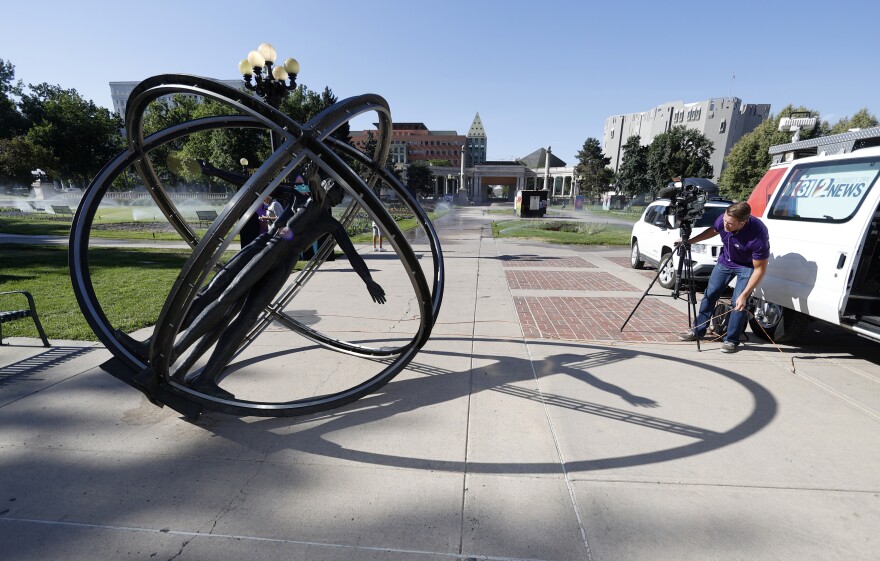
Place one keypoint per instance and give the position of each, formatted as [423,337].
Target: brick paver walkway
[566,280]
[544,261]
[624,262]
[598,319]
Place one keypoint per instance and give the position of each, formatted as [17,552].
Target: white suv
[653,239]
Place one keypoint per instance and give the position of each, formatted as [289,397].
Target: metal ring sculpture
[298,142]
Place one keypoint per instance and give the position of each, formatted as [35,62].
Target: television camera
[686,204]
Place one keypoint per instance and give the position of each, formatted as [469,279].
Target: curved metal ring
[304,141]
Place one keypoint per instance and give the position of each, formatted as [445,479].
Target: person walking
[377,236]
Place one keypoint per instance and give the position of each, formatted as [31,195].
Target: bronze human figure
[227,308]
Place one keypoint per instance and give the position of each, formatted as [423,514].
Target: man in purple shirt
[744,255]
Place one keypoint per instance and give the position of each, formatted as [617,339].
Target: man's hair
[741,211]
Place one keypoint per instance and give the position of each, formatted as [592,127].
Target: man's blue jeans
[720,278]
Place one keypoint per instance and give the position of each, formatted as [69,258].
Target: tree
[632,176]
[369,148]
[82,136]
[680,152]
[223,148]
[749,159]
[12,123]
[862,119]
[328,98]
[592,168]
[19,156]
[420,180]
[162,114]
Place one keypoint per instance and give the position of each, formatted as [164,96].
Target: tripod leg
[647,290]
[692,292]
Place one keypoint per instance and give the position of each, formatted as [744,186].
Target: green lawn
[631,214]
[563,232]
[149,228]
[131,285]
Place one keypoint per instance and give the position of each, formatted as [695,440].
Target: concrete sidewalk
[529,427]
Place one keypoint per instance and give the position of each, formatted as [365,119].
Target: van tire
[790,326]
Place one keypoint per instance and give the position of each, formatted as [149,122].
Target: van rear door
[817,220]
[764,190]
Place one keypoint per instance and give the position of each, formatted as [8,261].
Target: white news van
[823,216]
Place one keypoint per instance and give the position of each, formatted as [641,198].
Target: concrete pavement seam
[565,473]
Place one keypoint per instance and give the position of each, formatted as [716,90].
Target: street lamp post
[272,83]
[268,81]
[547,172]
[461,173]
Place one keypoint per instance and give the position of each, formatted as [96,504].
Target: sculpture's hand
[376,291]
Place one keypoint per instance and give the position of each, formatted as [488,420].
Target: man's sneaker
[729,347]
[689,335]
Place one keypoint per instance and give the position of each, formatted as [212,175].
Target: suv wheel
[666,278]
[635,258]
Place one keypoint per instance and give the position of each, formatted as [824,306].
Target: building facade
[722,120]
[476,143]
[529,172]
[412,142]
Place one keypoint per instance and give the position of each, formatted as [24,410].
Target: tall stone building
[119,92]
[722,120]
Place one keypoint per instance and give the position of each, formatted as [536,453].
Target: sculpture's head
[335,192]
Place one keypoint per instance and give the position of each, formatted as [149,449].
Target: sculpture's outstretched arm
[236,179]
[357,262]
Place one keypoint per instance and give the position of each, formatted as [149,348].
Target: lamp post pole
[461,173]
[547,171]
[272,83]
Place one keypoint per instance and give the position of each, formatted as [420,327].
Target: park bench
[208,216]
[31,312]
[62,211]
[36,208]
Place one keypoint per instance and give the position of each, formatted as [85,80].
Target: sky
[539,73]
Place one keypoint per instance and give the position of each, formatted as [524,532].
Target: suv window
[710,214]
[653,212]
[825,192]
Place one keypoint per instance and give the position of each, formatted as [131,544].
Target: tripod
[684,271]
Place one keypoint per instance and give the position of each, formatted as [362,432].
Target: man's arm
[760,268]
[709,232]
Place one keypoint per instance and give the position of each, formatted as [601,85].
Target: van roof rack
[832,144]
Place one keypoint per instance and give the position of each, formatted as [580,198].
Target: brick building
[414,141]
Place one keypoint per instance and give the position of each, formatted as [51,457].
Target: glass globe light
[292,66]
[268,52]
[256,60]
